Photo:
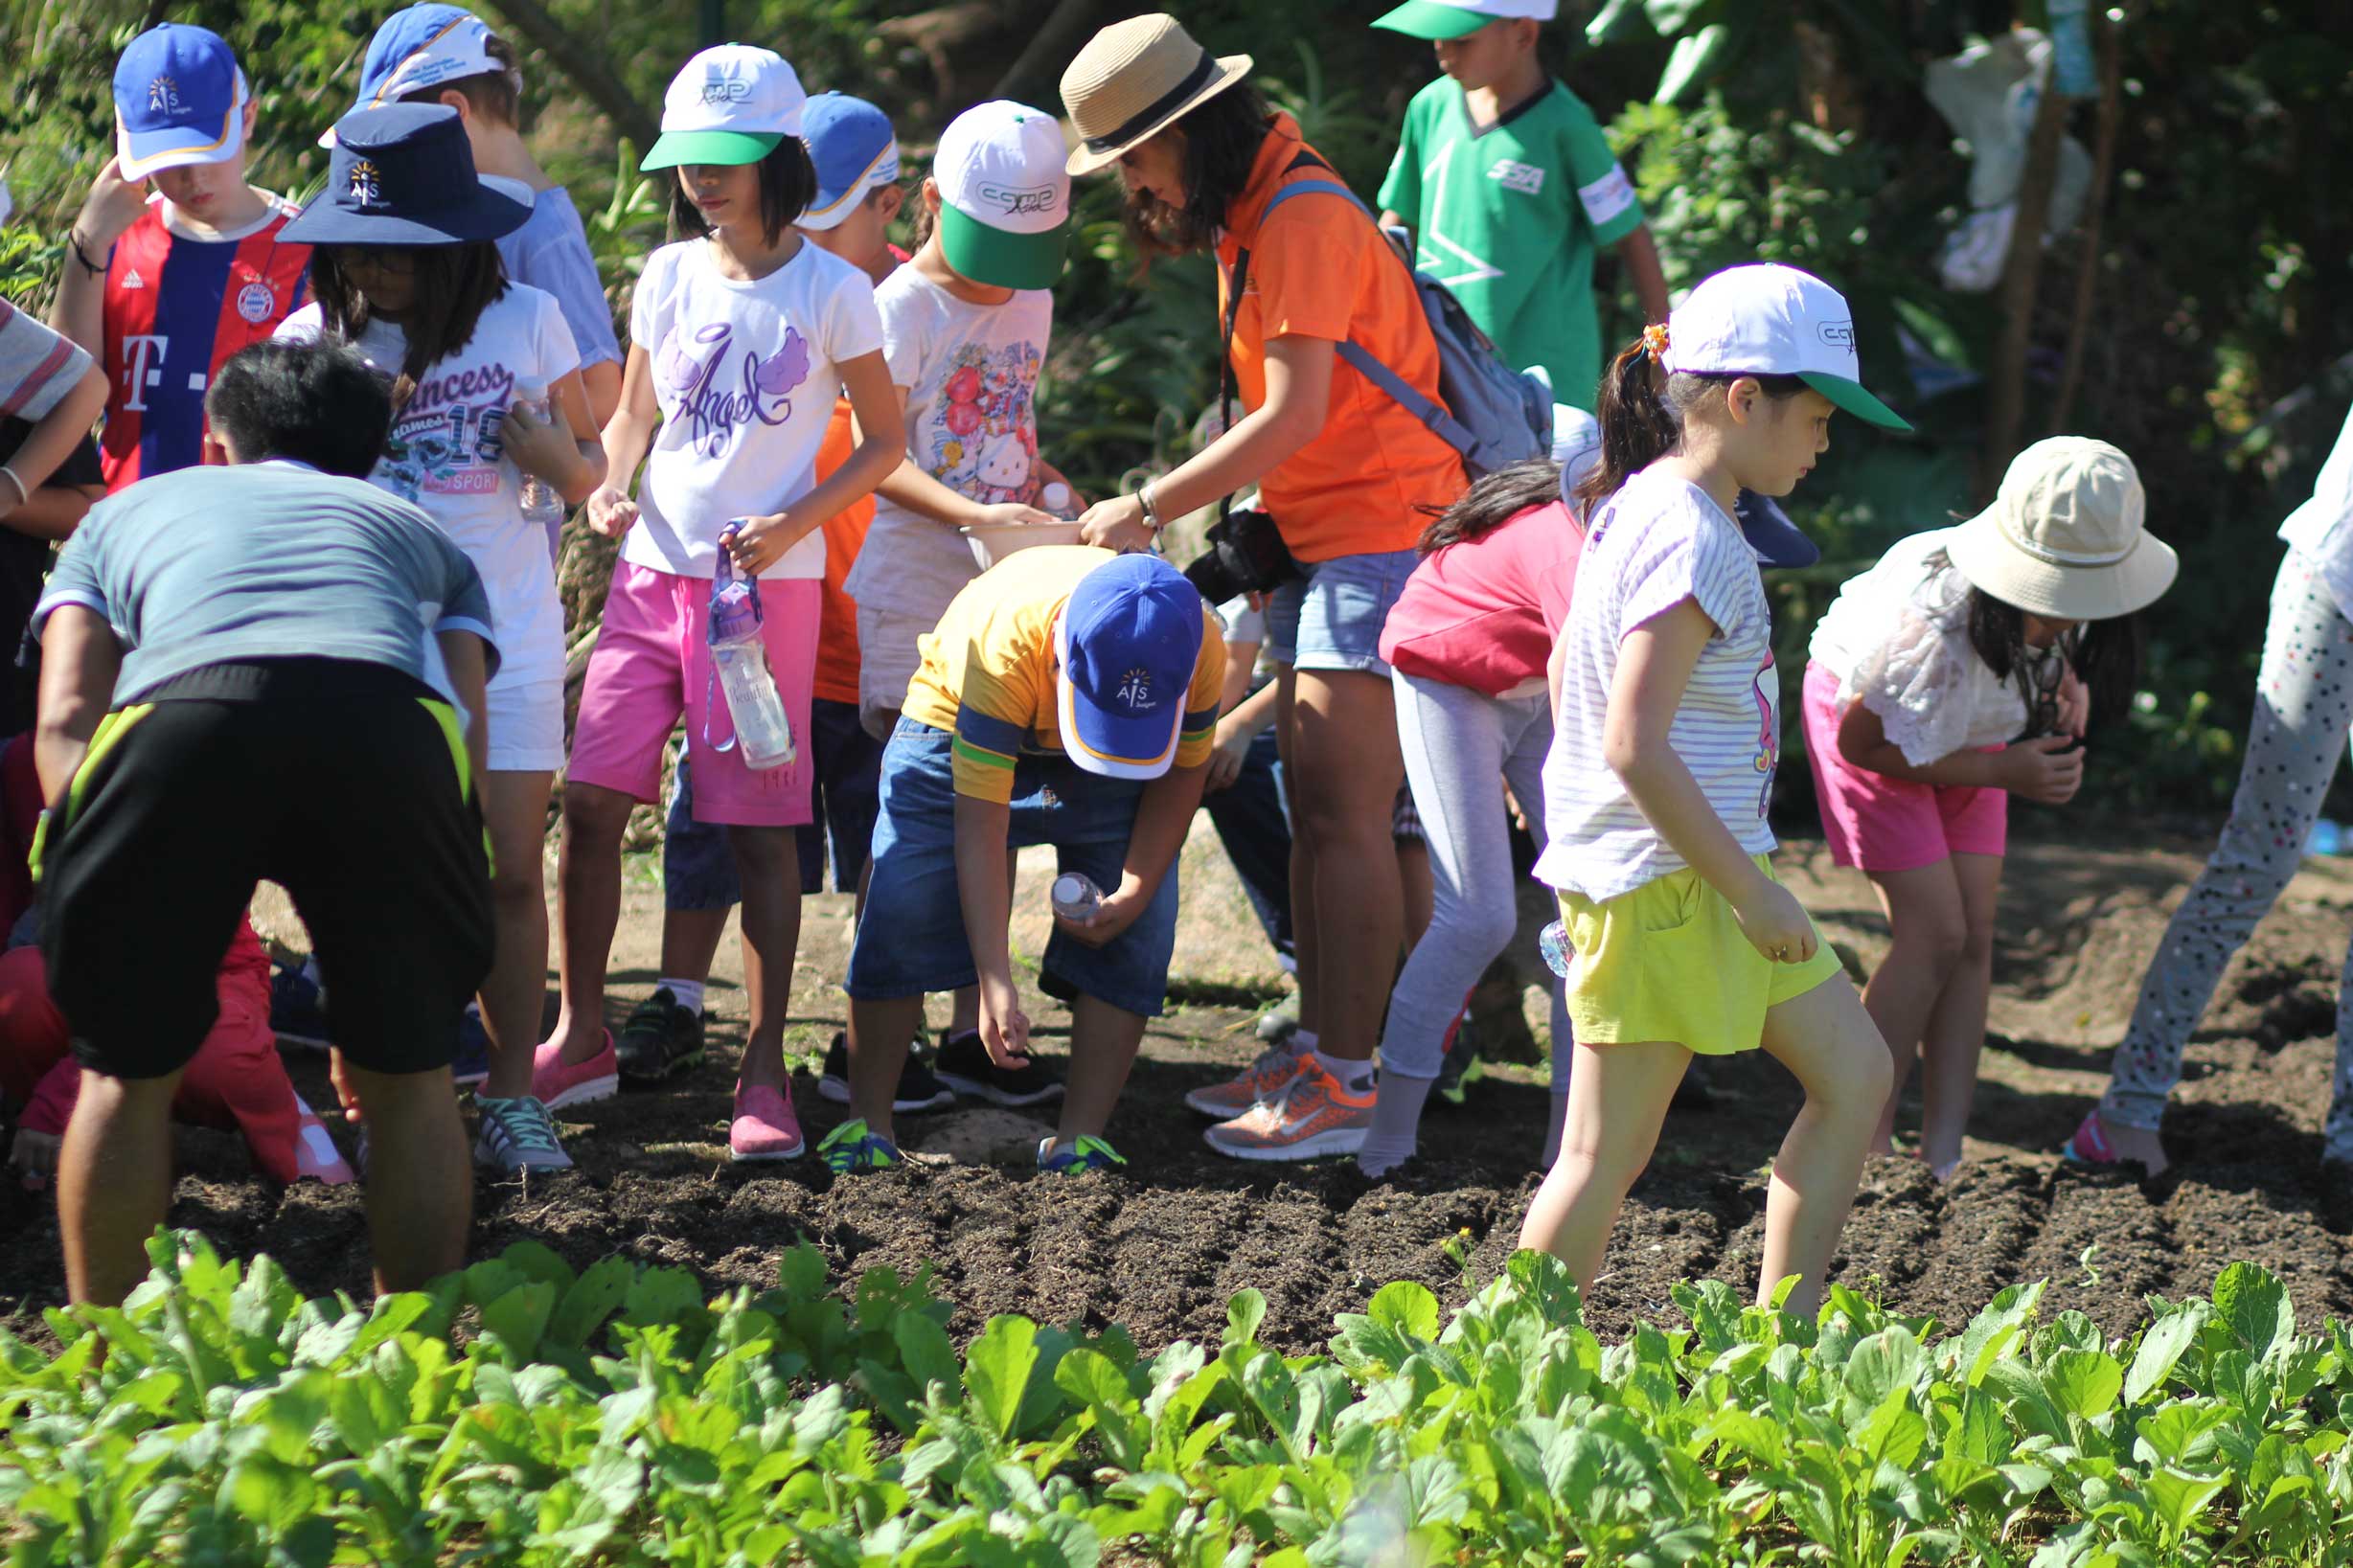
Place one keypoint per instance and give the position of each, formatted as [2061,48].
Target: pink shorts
[651,663]
[1876,823]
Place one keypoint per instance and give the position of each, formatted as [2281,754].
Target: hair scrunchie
[1654,342]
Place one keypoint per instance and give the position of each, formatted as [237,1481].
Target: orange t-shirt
[845,535]
[1322,271]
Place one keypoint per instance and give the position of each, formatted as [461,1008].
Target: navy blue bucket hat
[404,175]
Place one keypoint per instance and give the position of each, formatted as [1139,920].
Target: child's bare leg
[114,1182]
[880,1033]
[588,907]
[1955,1034]
[514,993]
[1617,1098]
[771,917]
[1103,1044]
[1827,1040]
[1928,928]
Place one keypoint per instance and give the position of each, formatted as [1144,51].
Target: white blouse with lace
[1897,637]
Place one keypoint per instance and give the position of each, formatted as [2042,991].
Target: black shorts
[344,782]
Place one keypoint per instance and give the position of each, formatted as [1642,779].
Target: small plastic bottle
[741,662]
[2327,838]
[1553,942]
[542,505]
[1057,499]
[1074,896]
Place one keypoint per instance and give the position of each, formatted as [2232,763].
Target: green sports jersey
[1509,219]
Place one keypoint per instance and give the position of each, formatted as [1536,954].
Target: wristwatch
[1151,514]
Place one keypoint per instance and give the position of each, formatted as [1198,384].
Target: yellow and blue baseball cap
[419,48]
[178,100]
[1127,638]
[854,150]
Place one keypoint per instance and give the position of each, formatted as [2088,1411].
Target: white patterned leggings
[2303,715]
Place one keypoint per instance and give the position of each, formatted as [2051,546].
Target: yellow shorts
[1668,962]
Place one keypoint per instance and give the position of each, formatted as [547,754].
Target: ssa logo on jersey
[163,96]
[1525,178]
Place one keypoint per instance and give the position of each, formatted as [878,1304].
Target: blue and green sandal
[1087,1154]
[852,1149]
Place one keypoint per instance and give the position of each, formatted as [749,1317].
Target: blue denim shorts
[698,869]
[1329,617]
[911,939]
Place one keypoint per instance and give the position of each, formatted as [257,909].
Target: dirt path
[1160,1246]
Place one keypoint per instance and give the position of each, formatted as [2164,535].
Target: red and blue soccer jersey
[177,308]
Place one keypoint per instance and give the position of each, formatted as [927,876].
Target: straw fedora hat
[2064,536]
[1134,79]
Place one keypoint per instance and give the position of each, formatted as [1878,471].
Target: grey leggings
[2303,715]
[1461,747]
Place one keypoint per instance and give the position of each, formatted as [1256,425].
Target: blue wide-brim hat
[404,175]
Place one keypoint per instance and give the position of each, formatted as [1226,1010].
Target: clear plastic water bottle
[542,504]
[1553,942]
[2327,838]
[740,665]
[1057,499]
[1074,896]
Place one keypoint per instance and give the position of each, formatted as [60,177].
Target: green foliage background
[2220,358]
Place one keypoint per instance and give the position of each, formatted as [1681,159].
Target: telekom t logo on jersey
[143,367]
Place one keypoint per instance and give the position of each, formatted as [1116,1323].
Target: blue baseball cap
[1127,638]
[419,49]
[852,144]
[404,175]
[178,100]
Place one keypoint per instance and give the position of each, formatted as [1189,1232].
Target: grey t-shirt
[267,561]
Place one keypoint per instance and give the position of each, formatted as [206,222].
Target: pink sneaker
[314,1152]
[556,1082]
[765,1128]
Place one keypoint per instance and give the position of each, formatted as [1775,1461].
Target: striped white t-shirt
[1654,544]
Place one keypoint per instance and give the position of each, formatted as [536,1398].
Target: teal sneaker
[1087,1154]
[852,1149]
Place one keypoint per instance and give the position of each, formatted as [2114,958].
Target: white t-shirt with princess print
[970,372]
[446,455]
[1657,542]
[745,375]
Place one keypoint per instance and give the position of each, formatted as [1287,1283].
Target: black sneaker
[919,1088]
[964,1066]
[660,1039]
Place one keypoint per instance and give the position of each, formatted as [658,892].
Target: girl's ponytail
[1491,502]
[1638,428]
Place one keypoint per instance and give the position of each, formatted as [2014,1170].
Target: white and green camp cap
[731,104]
[1765,319]
[1429,19]
[1004,195]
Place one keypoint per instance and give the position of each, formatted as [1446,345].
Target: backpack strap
[1432,412]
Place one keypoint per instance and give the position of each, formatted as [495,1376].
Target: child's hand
[610,513]
[1004,512]
[2074,703]
[345,1094]
[1229,752]
[542,447]
[112,206]
[758,545]
[34,1155]
[1775,923]
[1004,1027]
[1117,911]
[1115,524]
[2048,769]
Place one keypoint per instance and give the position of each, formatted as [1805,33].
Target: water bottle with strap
[740,670]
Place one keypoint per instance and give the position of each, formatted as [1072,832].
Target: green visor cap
[678,148]
[999,257]
[1851,396]
[1428,19]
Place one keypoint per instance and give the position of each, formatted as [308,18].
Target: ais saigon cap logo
[164,96]
[1136,693]
[367,188]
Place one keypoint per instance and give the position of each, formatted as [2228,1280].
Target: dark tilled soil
[1160,1246]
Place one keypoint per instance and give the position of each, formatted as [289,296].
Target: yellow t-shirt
[988,671]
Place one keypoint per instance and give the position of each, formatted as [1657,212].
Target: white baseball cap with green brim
[1004,195]
[733,103]
[1766,318]
[1431,20]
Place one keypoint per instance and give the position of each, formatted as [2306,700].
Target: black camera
[1245,556]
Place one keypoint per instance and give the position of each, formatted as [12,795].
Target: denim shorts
[1330,616]
[911,939]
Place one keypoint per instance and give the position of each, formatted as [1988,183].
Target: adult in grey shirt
[233,688]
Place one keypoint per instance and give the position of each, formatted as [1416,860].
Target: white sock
[1396,1118]
[1351,1073]
[687,993]
[1300,1042]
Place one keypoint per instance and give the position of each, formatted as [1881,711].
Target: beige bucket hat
[1134,79]
[2064,536]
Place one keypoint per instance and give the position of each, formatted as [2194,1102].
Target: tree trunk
[586,67]
[2109,38]
[2021,271]
[1049,49]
